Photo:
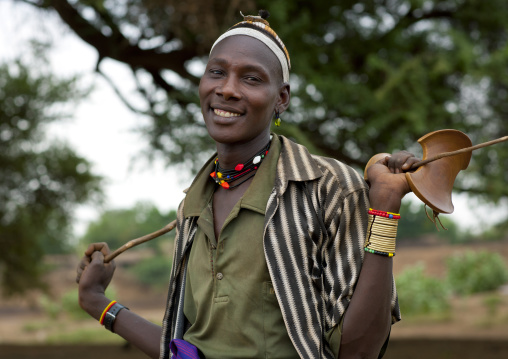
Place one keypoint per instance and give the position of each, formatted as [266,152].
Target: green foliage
[117,226]
[492,303]
[367,76]
[475,272]
[420,294]
[40,182]
[49,306]
[153,271]
[36,326]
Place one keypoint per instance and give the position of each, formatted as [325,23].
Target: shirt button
[220,276]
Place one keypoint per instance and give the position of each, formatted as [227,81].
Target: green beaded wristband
[386,254]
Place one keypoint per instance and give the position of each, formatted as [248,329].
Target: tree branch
[118,47]
[120,95]
[410,19]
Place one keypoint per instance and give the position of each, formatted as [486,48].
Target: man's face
[240,89]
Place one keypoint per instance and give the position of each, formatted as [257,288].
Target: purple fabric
[183,350]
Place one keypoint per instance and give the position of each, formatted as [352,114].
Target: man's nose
[229,89]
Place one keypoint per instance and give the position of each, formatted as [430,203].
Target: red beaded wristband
[390,215]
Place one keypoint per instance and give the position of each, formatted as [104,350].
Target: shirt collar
[295,164]
[201,190]
[256,196]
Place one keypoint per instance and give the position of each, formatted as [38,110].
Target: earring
[277,118]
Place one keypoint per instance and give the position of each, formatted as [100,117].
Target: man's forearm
[139,332]
[368,317]
[136,330]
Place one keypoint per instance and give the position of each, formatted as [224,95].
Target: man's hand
[94,276]
[388,184]
[400,162]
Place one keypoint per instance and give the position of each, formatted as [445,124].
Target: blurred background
[101,131]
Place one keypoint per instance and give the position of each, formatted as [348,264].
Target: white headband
[265,40]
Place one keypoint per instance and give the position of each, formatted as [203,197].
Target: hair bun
[264,14]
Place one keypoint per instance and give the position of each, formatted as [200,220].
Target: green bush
[475,272]
[49,306]
[420,294]
[153,271]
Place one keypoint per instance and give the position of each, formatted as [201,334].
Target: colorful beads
[384,214]
[223,176]
[386,254]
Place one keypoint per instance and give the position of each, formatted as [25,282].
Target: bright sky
[101,130]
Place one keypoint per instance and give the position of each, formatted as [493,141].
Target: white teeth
[225,113]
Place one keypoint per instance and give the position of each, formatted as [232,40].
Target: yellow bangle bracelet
[384,221]
[101,320]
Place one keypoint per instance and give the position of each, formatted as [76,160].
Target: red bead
[239,167]
[225,185]
[212,174]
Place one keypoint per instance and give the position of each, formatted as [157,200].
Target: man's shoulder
[330,169]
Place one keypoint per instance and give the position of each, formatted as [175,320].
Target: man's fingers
[98,256]
[409,162]
[101,247]
[93,254]
[85,261]
[78,276]
[401,161]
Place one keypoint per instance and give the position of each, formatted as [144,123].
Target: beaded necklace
[248,169]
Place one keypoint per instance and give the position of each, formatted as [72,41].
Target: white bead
[256,160]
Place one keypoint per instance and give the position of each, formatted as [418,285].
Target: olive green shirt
[229,298]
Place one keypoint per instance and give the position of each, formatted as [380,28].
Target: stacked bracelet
[381,232]
[109,315]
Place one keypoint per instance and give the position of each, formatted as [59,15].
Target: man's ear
[284,97]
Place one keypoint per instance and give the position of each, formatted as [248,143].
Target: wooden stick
[453,153]
[134,242]
[172,225]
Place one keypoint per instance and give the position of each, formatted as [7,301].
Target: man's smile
[223,113]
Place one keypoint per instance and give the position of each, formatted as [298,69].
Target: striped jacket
[315,227]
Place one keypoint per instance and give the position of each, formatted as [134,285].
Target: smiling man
[277,252]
